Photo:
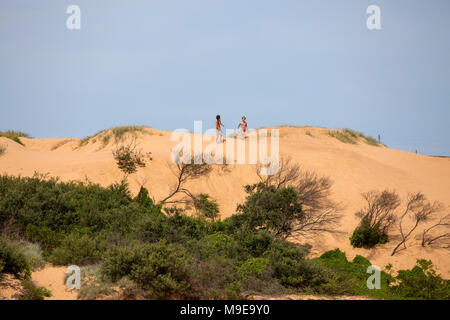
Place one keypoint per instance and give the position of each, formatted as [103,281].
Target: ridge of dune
[354,168]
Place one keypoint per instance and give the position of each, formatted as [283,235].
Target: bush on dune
[13,259]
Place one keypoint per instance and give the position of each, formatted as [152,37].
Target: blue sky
[168,63]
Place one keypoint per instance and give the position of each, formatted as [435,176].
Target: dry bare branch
[420,210]
[185,172]
[429,239]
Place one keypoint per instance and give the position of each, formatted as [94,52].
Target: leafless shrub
[129,158]
[443,237]
[321,214]
[185,172]
[380,210]
[419,209]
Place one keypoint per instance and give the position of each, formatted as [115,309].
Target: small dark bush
[13,260]
[143,198]
[367,237]
[291,267]
[376,219]
[128,158]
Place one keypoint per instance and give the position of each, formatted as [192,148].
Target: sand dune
[353,168]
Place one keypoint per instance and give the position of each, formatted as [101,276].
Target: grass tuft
[14,135]
[118,133]
[352,137]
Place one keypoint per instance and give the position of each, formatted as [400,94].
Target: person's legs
[218,135]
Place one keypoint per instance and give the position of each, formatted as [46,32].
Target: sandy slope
[353,168]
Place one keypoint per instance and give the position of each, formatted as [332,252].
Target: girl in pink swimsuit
[243,126]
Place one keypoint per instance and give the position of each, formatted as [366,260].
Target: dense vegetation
[131,243]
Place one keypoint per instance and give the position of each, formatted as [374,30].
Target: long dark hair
[218,117]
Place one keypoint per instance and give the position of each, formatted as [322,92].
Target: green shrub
[365,236]
[13,259]
[44,210]
[421,282]
[160,269]
[143,198]
[129,159]
[347,277]
[291,267]
[270,208]
[217,244]
[253,266]
[208,208]
[78,248]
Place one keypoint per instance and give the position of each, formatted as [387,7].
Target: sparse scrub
[371,141]
[60,144]
[443,237]
[186,171]
[33,253]
[14,135]
[129,158]
[32,292]
[118,133]
[91,285]
[343,136]
[352,137]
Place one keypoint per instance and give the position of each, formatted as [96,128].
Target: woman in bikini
[219,129]
[243,126]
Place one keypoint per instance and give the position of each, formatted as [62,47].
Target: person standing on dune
[219,129]
[243,126]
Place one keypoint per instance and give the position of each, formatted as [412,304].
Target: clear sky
[167,63]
